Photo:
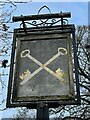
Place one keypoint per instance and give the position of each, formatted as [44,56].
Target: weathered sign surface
[43,69]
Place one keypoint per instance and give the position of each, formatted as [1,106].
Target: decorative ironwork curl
[45,22]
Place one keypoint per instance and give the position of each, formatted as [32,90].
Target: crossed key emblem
[28,75]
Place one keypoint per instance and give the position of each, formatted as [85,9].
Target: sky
[79,10]
[45,0]
[79,16]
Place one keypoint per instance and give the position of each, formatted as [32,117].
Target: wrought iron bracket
[42,20]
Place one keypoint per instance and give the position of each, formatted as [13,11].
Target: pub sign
[41,68]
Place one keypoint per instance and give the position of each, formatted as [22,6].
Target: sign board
[42,68]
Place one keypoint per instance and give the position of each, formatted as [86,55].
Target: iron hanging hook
[43,8]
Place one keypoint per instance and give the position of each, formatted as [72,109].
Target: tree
[5,43]
[24,113]
[7,8]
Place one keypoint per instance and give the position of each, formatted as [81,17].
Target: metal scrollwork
[45,22]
